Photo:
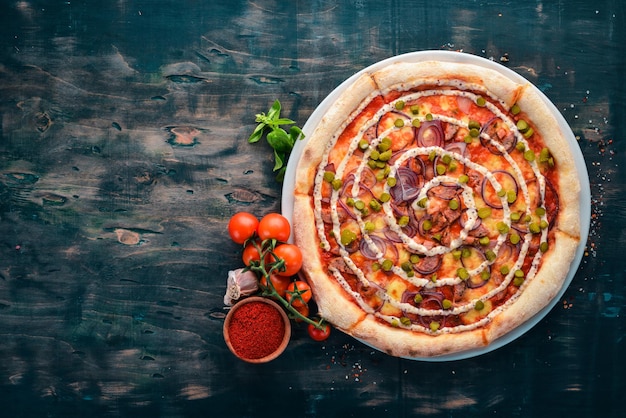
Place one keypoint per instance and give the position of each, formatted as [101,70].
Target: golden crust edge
[348,317]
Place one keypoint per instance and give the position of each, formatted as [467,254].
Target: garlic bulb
[240,283]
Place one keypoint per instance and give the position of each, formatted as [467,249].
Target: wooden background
[123,153]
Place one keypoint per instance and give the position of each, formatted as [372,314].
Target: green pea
[543,247]
[429,117]
[453,204]
[400,104]
[347,237]
[515,238]
[415,109]
[446,304]
[363,144]
[529,155]
[416,123]
[479,305]
[403,221]
[387,265]
[385,156]
[405,321]
[434,326]
[473,124]
[337,183]
[462,273]
[441,169]
[398,123]
[484,212]
[375,205]
[522,125]
[511,196]
[369,226]
[534,228]
[463,178]
[505,269]
[329,176]
[418,298]
[480,101]
[515,109]
[427,225]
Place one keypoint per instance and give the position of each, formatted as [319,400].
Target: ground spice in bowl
[257,330]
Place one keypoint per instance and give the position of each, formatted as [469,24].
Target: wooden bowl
[234,344]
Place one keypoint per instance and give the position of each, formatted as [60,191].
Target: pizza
[437,208]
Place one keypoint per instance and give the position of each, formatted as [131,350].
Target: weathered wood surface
[123,153]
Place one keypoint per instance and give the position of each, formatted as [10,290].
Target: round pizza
[437,207]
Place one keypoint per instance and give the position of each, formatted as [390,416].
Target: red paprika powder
[256,330]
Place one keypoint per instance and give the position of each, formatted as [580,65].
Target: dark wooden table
[123,153]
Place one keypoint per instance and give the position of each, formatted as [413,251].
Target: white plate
[449,56]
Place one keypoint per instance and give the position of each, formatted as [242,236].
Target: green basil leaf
[274,112]
[257,134]
[296,133]
[282,121]
[280,177]
[279,159]
[280,140]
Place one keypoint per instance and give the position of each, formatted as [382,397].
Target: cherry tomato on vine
[280,283]
[241,226]
[318,334]
[292,256]
[250,253]
[274,225]
[302,310]
[301,288]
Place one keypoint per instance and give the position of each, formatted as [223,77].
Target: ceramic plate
[449,56]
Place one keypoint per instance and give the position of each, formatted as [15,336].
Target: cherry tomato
[292,256]
[301,288]
[280,283]
[318,334]
[242,225]
[302,310]
[274,225]
[250,253]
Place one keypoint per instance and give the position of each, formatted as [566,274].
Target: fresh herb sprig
[279,139]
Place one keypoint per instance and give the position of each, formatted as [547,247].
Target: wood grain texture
[123,153]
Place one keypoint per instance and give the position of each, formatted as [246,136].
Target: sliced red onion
[408,185]
[369,252]
[457,147]
[408,296]
[347,209]
[507,142]
[392,235]
[463,220]
[496,203]
[476,281]
[430,134]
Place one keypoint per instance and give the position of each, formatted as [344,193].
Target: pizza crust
[338,306]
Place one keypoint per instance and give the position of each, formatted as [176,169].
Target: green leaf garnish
[277,137]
